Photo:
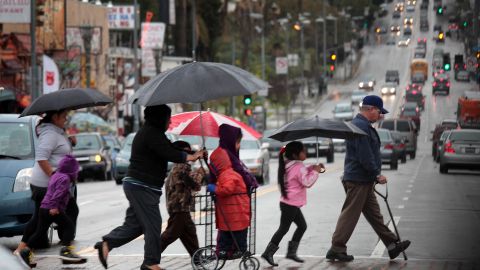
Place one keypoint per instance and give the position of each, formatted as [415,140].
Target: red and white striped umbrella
[206,123]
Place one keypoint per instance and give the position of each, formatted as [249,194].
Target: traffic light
[248,112]
[40,13]
[478,55]
[441,36]
[333,57]
[332,68]
[297,26]
[446,62]
[440,10]
[465,24]
[247,99]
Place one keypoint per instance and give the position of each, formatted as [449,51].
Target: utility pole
[135,107]
[234,51]
[324,46]
[33,53]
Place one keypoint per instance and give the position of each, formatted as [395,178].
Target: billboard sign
[74,39]
[51,36]
[15,11]
[152,37]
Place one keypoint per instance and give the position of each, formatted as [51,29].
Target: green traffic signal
[247,99]
[465,24]
[440,10]
[446,67]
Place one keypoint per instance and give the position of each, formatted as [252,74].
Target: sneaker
[68,256]
[339,256]
[399,248]
[26,257]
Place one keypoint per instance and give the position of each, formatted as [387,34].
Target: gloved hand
[211,188]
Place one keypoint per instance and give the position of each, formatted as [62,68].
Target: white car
[404,42]
[357,96]
[389,89]
[256,157]
[343,111]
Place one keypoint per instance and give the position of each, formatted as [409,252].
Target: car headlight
[392,90]
[360,84]
[121,160]
[384,90]
[370,84]
[97,158]
[22,181]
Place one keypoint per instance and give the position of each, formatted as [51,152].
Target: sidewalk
[169,262]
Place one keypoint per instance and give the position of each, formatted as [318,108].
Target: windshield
[409,113]
[343,108]
[87,142]
[388,125]
[15,140]
[403,126]
[384,135]
[464,136]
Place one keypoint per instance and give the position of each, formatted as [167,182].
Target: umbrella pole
[203,137]
[316,148]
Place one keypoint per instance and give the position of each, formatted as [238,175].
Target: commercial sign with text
[121,17]
[14,11]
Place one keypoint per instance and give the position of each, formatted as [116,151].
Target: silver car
[407,128]
[461,150]
[357,96]
[256,157]
[343,111]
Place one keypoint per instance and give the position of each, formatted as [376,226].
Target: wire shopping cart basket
[207,257]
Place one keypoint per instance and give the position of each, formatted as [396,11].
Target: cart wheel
[249,263]
[205,259]
[221,263]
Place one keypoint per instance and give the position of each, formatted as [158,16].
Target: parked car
[357,96]
[339,145]
[387,150]
[389,89]
[410,110]
[17,157]
[122,159]
[461,150]
[343,111]
[407,129]
[441,83]
[399,145]
[367,83]
[115,146]
[325,147]
[93,154]
[446,124]
[392,76]
[273,146]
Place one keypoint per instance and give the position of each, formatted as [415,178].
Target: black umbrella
[197,82]
[70,99]
[316,127]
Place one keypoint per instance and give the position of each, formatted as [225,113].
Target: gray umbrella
[316,127]
[197,82]
[70,99]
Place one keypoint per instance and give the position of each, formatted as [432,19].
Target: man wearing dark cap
[362,169]
[151,152]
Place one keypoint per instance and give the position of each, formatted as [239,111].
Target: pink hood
[298,178]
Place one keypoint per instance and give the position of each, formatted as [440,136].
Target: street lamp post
[86,31]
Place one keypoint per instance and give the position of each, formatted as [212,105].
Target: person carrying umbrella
[293,179]
[362,170]
[151,151]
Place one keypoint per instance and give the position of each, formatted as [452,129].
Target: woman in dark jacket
[151,152]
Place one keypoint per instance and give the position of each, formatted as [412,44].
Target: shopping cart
[206,258]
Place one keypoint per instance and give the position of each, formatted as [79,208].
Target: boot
[292,252]
[268,253]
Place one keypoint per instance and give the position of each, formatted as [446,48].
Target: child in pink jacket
[293,178]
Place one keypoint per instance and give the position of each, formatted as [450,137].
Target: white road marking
[401,206]
[410,186]
[405,198]
[380,247]
[408,191]
[85,202]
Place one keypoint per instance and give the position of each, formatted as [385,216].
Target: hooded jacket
[52,146]
[58,192]
[298,178]
[231,194]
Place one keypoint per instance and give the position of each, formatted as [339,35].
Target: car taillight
[456,66]
[448,147]
[402,145]
[448,84]
[388,146]
[434,84]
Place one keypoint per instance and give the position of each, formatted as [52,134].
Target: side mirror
[265,145]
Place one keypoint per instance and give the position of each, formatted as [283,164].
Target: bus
[419,67]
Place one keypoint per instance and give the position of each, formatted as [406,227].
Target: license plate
[311,150]
[470,150]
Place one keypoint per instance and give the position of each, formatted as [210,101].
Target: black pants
[290,214]
[44,222]
[38,193]
[226,242]
[142,217]
[180,225]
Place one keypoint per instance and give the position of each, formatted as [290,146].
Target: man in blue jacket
[362,170]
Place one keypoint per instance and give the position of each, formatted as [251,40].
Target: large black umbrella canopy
[316,127]
[197,82]
[67,99]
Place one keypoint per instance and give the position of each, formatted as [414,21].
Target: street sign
[281,65]
[471,62]
[293,60]
[347,46]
